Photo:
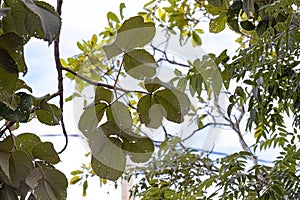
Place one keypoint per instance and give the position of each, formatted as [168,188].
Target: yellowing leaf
[218,24]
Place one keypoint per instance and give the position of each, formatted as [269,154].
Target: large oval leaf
[133,33]
[48,114]
[26,141]
[20,165]
[45,151]
[108,158]
[119,114]
[174,102]
[90,118]
[150,112]
[106,172]
[139,64]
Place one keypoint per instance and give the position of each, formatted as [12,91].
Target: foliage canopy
[261,83]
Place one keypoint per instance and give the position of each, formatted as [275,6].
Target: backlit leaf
[139,150]
[218,24]
[108,159]
[103,94]
[119,114]
[107,172]
[139,64]
[175,104]
[90,118]
[150,112]
[133,33]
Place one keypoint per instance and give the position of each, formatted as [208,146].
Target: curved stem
[60,80]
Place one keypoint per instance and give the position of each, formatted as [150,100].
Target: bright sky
[80,21]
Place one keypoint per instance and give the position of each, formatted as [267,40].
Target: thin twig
[6,127]
[99,83]
[203,127]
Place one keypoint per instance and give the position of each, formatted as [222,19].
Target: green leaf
[139,64]
[20,165]
[108,159]
[75,180]
[169,103]
[26,141]
[38,100]
[150,112]
[76,172]
[226,78]
[119,114]
[71,97]
[48,184]
[182,83]
[22,85]
[217,3]
[133,33]
[24,109]
[232,15]
[263,25]
[12,43]
[122,6]
[175,103]
[45,151]
[139,149]
[49,20]
[210,74]
[9,71]
[8,193]
[22,112]
[196,83]
[196,40]
[112,16]
[32,18]
[7,144]
[103,94]
[9,100]
[101,137]
[152,85]
[90,118]
[8,76]
[4,165]
[218,24]
[247,25]
[107,172]
[233,24]
[48,114]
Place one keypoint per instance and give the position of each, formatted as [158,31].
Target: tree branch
[60,79]
[99,83]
